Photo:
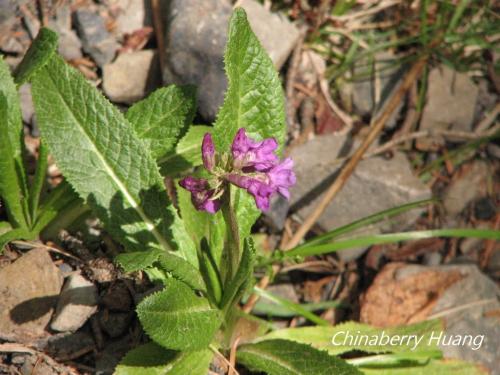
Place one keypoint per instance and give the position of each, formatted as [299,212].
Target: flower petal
[208,152]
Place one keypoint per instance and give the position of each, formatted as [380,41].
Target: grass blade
[378,239]
[292,306]
[379,216]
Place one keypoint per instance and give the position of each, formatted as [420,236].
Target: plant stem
[233,240]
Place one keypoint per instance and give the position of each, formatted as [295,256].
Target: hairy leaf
[246,210]
[432,367]
[181,270]
[138,260]
[177,318]
[187,153]
[40,51]
[163,117]
[13,187]
[196,222]
[102,158]
[202,225]
[152,359]
[254,101]
[282,357]
[321,337]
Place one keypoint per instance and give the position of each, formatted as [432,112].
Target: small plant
[201,250]
[29,211]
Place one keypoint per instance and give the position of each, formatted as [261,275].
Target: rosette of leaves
[116,163]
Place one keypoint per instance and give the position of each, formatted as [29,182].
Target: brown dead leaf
[327,122]
[416,248]
[136,40]
[313,289]
[395,299]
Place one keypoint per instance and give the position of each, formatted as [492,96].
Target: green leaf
[297,308]
[211,275]
[38,181]
[138,260]
[152,359]
[200,225]
[182,270]
[14,234]
[102,158]
[432,367]
[254,101]
[40,51]
[177,318]
[62,198]
[403,359]
[281,310]
[282,357]
[321,337]
[246,210]
[163,117]
[237,286]
[187,153]
[366,221]
[13,187]
[5,227]
[378,239]
[196,222]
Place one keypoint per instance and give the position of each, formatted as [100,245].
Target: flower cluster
[252,166]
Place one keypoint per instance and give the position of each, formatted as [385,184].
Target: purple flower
[248,153]
[254,167]
[201,194]
[281,177]
[257,185]
[208,152]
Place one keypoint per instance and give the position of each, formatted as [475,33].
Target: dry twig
[158,26]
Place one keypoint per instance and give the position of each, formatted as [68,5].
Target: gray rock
[131,77]
[381,74]
[432,259]
[70,46]
[63,345]
[12,45]
[97,41]
[376,184]
[470,185]
[493,150]
[27,108]
[472,320]
[276,33]
[28,288]
[77,302]
[7,18]
[285,290]
[276,216]
[450,104]
[115,324]
[195,41]
[133,15]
